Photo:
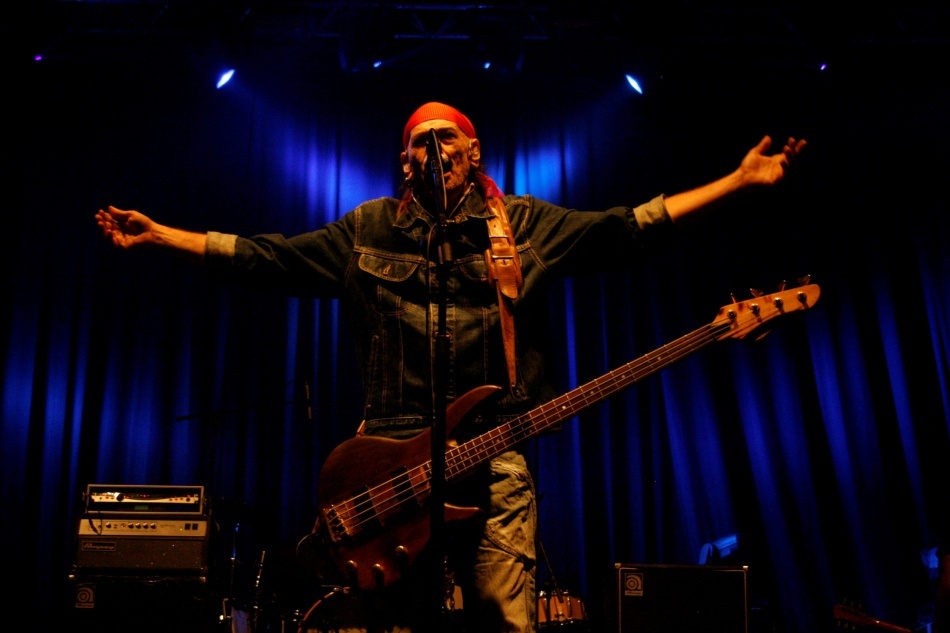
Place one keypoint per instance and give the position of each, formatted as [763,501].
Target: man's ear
[404,159]
[474,151]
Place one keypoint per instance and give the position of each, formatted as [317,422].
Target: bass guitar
[373,492]
[853,618]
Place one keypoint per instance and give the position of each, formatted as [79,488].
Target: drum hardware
[233,618]
[226,618]
[256,605]
[252,618]
[302,622]
[452,593]
[559,608]
[340,606]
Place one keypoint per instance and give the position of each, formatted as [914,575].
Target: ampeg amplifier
[680,599]
[143,529]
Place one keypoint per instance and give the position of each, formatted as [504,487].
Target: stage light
[377,63]
[486,65]
[634,83]
[225,78]
[931,562]
[715,552]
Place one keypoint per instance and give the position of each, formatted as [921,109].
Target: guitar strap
[504,272]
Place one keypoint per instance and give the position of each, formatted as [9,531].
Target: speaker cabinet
[679,599]
[121,603]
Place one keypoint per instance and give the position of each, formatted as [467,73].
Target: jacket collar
[472,205]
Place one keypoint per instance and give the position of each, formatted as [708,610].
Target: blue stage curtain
[823,445]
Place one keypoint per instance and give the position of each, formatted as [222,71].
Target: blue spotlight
[225,78]
[713,553]
[634,83]
[377,63]
[931,562]
[486,65]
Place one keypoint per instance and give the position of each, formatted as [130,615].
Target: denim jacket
[375,261]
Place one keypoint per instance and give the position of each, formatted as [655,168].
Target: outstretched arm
[131,229]
[756,169]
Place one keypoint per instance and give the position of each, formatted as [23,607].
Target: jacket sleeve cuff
[220,245]
[652,213]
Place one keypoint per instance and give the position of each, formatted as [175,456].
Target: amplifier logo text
[98,546]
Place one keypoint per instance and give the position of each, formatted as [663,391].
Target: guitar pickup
[404,491]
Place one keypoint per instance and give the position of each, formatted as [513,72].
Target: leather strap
[504,272]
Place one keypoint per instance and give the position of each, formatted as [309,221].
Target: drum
[249,620]
[560,609]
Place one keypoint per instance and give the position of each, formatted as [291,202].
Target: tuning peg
[755,292]
[804,281]
[781,286]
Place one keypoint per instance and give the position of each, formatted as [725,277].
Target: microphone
[436,170]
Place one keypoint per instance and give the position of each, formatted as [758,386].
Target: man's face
[461,151]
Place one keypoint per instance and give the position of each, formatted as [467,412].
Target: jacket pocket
[388,274]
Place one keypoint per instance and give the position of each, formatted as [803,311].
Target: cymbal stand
[227,604]
[559,595]
[256,609]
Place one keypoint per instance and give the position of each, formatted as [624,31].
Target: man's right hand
[125,229]
[130,229]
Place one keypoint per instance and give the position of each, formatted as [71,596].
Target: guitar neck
[853,617]
[460,460]
[886,626]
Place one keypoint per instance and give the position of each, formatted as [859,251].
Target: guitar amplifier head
[141,543]
[146,499]
[679,599]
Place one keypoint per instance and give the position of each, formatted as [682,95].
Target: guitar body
[373,491]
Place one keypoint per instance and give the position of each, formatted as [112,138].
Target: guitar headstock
[849,616]
[750,316]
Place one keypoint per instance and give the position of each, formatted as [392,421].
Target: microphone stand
[436,173]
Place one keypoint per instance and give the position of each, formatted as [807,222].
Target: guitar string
[599,389]
[375,504]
